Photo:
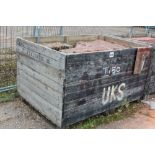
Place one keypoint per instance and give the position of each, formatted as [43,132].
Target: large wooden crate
[70,87]
[147,41]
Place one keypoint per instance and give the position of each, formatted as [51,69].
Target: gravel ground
[19,115]
[144,118]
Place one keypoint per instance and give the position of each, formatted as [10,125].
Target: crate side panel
[86,96]
[54,75]
[54,98]
[41,53]
[40,78]
[40,104]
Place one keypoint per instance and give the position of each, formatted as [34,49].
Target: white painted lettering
[113,93]
[105,96]
[120,91]
[113,90]
[111,70]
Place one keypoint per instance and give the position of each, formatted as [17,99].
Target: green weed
[120,113]
[8,96]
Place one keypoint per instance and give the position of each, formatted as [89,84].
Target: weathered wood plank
[97,90]
[93,108]
[67,38]
[52,97]
[41,58]
[123,41]
[38,48]
[128,94]
[97,102]
[83,85]
[99,67]
[41,105]
[51,73]
[90,72]
[40,53]
[58,87]
[142,54]
[94,56]
[46,39]
[80,101]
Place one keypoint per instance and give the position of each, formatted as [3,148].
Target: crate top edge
[115,38]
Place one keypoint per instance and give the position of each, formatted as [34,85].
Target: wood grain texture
[53,74]
[86,80]
[41,105]
[71,87]
[40,78]
[40,53]
[150,80]
[53,97]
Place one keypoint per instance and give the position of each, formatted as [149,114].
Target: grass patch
[7,75]
[8,96]
[105,118]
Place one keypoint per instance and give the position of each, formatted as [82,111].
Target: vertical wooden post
[61,30]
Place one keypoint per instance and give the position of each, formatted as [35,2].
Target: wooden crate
[151,43]
[70,87]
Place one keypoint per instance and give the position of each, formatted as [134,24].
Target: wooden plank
[51,73]
[94,56]
[41,58]
[90,103]
[39,77]
[43,50]
[26,74]
[46,39]
[54,98]
[80,101]
[41,53]
[143,43]
[93,108]
[97,90]
[84,85]
[41,105]
[93,78]
[104,57]
[123,41]
[84,71]
[142,54]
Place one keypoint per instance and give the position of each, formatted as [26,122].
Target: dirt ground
[20,115]
[144,118]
